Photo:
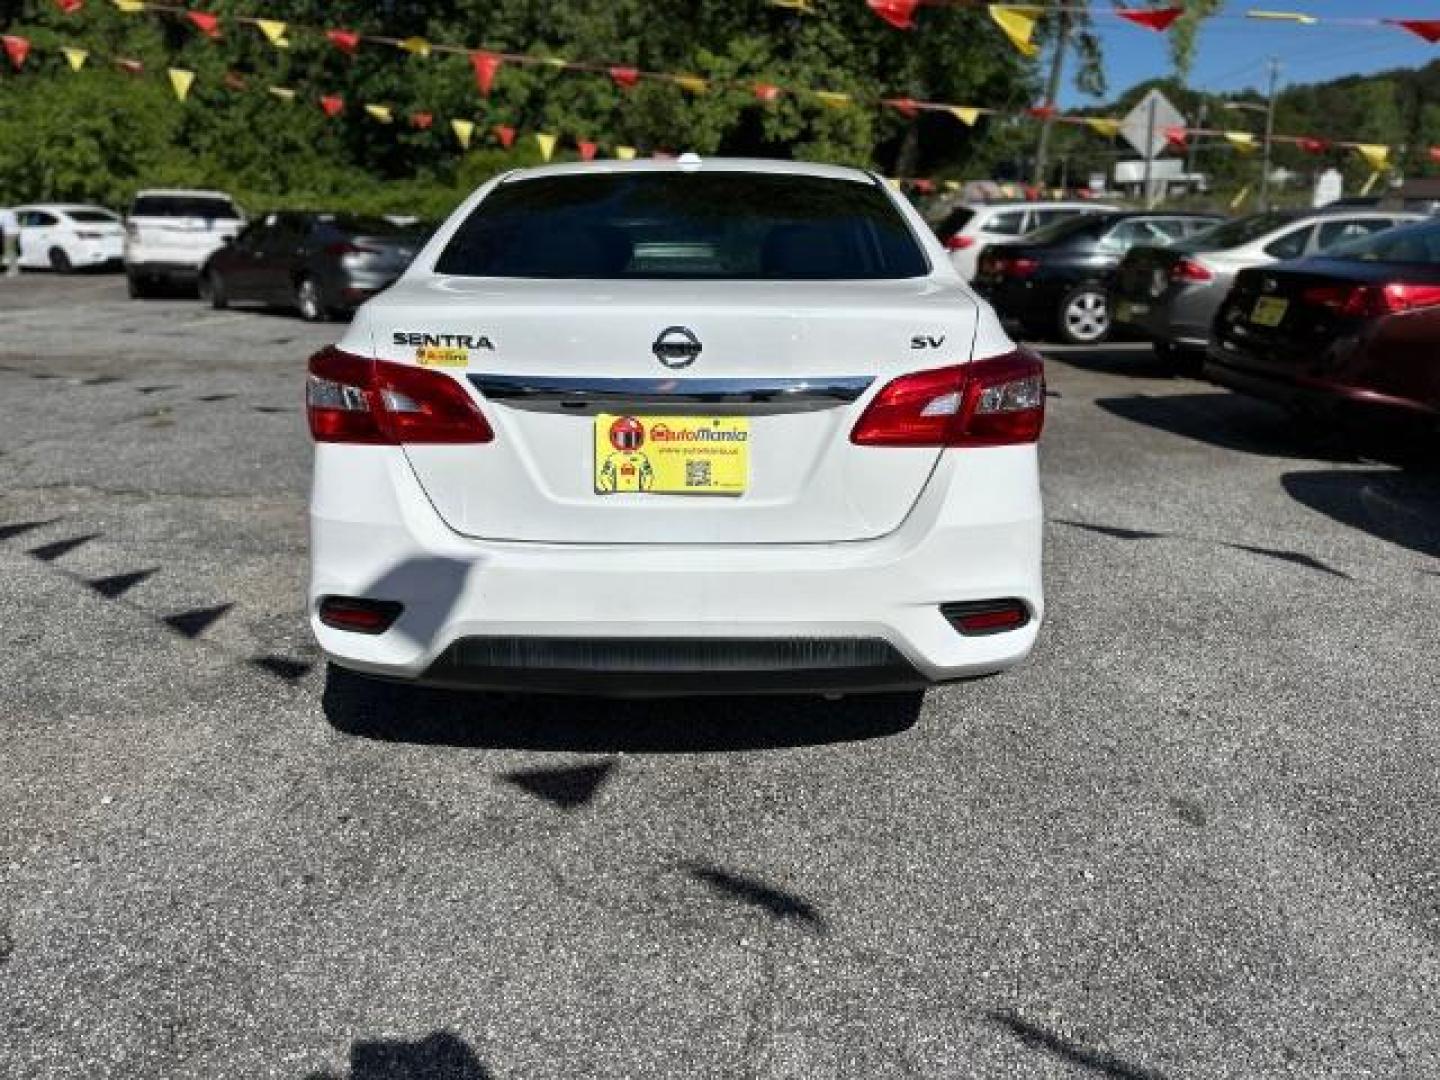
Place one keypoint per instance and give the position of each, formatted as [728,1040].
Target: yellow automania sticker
[674,455]
[442,356]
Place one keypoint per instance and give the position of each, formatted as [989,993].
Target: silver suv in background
[969,228]
[170,234]
[1171,294]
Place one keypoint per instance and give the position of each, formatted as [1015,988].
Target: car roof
[185,192]
[687,164]
[1124,215]
[62,206]
[1037,204]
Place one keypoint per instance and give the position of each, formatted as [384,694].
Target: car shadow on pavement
[1401,507]
[1230,422]
[1106,360]
[441,1055]
[394,712]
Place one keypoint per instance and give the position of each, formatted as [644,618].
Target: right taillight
[1372,301]
[998,401]
[1190,270]
[350,399]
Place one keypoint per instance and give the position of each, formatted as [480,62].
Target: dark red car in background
[1354,332]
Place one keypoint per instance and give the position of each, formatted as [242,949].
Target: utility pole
[1269,134]
[1149,192]
[1193,147]
[1052,91]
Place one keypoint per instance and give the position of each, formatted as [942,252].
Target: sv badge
[925,341]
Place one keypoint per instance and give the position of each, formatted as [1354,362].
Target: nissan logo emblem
[676,347]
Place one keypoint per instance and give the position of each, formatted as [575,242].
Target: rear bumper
[974,535]
[1183,320]
[1317,395]
[167,271]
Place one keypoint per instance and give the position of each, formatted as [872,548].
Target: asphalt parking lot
[1195,837]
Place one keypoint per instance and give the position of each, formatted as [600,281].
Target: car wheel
[59,261]
[212,288]
[1084,316]
[307,299]
[138,287]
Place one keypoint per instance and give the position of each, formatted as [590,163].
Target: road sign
[1144,130]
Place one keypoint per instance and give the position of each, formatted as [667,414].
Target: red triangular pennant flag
[898,13]
[17,48]
[625,77]
[1177,137]
[1429,29]
[506,134]
[766,92]
[207,24]
[587,149]
[1041,112]
[422,120]
[333,104]
[132,67]
[234,80]
[69,7]
[924,187]
[1157,19]
[904,106]
[487,65]
[1314,146]
[347,41]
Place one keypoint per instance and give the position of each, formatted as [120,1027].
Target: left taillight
[350,399]
[997,401]
[959,242]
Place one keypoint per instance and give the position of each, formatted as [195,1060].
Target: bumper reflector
[976,618]
[357,615]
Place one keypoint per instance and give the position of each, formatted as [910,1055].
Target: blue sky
[1232,53]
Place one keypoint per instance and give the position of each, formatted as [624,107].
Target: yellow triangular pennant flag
[180,81]
[1377,157]
[804,7]
[284,93]
[1283,16]
[546,142]
[965,114]
[692,83]
[130,7]
[625,153]
[832,99]
[893,181]
[556,62]
[464,130]
[274,32]
[1241,140]
[1108,128]
[76,57]
[953,185]
[416,46]
[380,112]
[1018,22]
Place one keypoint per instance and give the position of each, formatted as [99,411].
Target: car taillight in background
[959,242]
[1372,301]
[1190,270]
[999,401]
[1011,266]
[350,399]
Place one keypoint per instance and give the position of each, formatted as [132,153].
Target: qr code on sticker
[697,474]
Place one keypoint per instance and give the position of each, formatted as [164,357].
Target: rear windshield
[725,226]
[183,206]
[1419,243]
[91,217]
[1231,234]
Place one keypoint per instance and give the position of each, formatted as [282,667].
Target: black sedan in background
[323,265]
[1056,281]
[1355,332]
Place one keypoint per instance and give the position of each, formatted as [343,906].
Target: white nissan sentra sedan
[677,427]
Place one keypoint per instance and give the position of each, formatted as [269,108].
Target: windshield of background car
[1418,243]
[1084,227]
[1233,234]
[715,225]
[189,206]
[92,217]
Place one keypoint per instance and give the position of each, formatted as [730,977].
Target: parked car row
[321,264]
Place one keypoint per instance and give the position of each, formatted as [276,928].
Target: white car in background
[672,427]
[169,234]
[969,228]
[65,237]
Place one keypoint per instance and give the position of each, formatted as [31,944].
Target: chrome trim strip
[798,394]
